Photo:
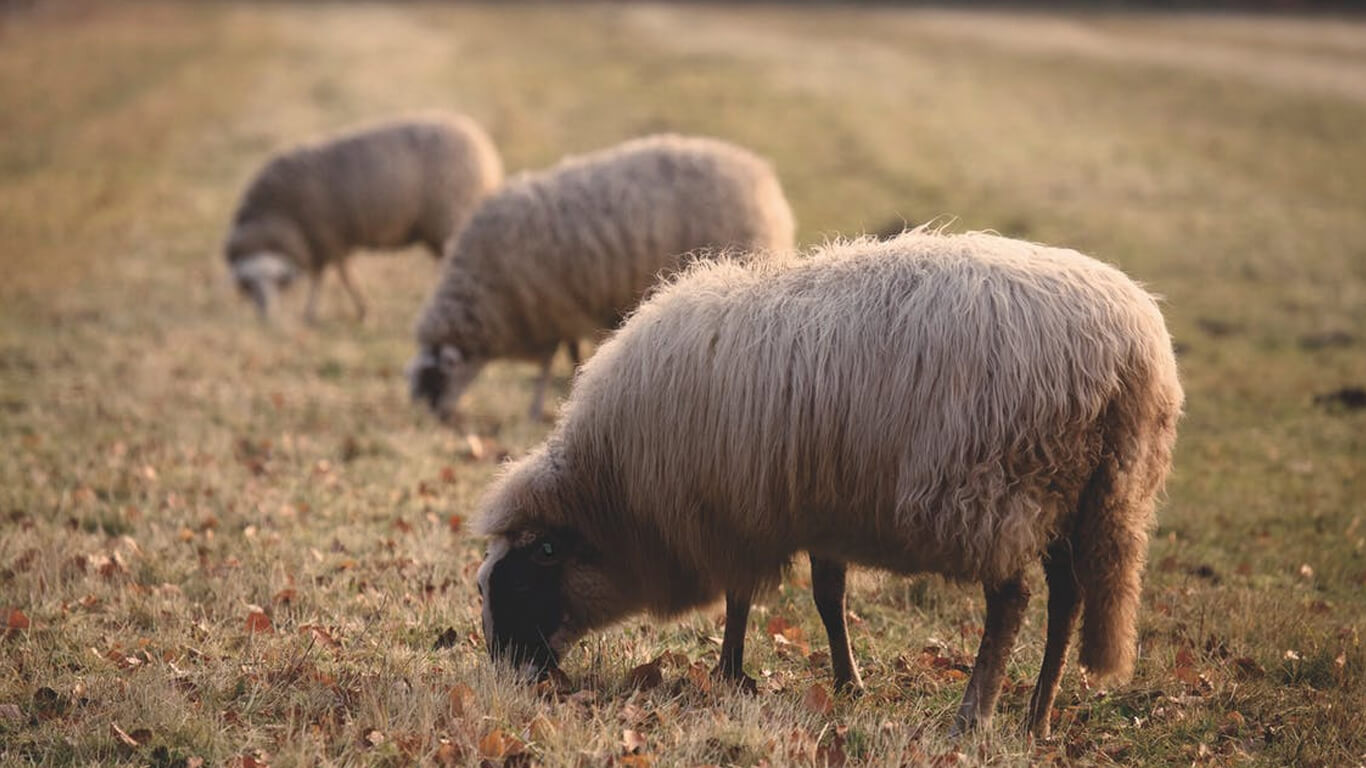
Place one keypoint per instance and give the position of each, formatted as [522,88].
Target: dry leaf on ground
[818,700]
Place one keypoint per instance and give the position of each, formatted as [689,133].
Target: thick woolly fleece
[932,403]
[383,186]
[560,254]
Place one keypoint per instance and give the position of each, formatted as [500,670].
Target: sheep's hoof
[849,688]
[739,680]
[963,724]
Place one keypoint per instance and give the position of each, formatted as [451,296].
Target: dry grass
[170,463]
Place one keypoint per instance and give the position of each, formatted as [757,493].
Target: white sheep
[561,254]
[383,186]
[965,405]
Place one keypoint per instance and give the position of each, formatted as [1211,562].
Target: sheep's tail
[1111,548]
[1114,518]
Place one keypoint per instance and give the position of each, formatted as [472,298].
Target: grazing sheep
[965,405]
[561,254]
[385,186]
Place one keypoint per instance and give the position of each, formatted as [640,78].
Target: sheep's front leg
[345,275]
[1006,603]
[1063,607]
[827,587]
[572,347]
[732,666]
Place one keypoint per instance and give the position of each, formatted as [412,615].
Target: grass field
[226,543]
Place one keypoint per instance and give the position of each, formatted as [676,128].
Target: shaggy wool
[560,254]
[932,403]
[387,185]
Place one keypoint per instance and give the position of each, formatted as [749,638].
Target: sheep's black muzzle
[428,380]
[531,656]
[524,610]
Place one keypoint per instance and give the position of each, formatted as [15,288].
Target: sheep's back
[927,400]
[374,187]
[574,248]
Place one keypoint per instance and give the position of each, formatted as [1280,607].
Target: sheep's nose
[429,384]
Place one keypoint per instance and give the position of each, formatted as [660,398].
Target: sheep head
[439,375]
[259,276]
[544,582]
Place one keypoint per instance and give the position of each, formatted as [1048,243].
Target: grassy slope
[221,464]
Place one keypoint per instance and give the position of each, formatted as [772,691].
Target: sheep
[965,404]
[563,253]
[387,185]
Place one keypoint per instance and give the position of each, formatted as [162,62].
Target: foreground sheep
[561,254]
[965,405]
[386,186]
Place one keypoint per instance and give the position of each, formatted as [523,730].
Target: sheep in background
[564,253]
[965,405]
[385,186]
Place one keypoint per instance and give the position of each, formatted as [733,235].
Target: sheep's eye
[544,553]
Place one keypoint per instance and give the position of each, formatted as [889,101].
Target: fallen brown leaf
[1248,668]
[818,700]
[645,676]
[448,753]
[16,620]
[461,698]
[257,621]
[499,743]
[555,683]
[700,677]
[320,635]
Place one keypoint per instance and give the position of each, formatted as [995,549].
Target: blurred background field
[230,542]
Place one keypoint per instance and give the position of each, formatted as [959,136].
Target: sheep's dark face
[542,591]
[438,376]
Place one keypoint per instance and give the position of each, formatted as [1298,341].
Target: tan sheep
[564,253]
[966,405]
[384,186]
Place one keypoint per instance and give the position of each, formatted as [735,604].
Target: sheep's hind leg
[350,287]
[1063,607]
[537,410]
[732,666]
[315,280]
[1006,604]
[827,587]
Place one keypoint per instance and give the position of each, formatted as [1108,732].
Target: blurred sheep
[561,254]
[388,185]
